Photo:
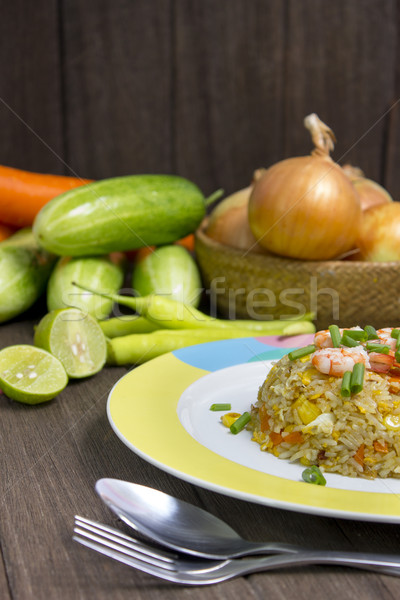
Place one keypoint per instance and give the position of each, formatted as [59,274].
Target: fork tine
[124,545]
[84,521]
[151,569]
[118,536]
[161,572]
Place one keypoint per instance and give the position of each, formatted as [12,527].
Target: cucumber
[99,272]
[122,213]
[24,271]
[168,271]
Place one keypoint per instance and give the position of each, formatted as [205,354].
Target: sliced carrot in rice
[264,419]
[359,455]
[294,437]
[276,438]
[378,447]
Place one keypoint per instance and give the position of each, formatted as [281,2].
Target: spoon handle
[255,548]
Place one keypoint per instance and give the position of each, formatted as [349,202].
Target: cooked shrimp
[322,339]
[381,363]
[336,361]
[385,337]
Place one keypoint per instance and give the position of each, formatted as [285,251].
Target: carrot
[22,193]
[275,438]
[294,437]
[143,252]
[378,447]
[131,255]
[359,455]
[138,255]
[5,232]
[264,418]
[187,242]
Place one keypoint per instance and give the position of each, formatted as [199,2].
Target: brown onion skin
[285,209]
[371,193]
[379,237]
[228,223]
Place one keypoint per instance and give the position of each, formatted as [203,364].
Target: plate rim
[317,494]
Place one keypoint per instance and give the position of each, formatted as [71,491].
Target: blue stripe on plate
[213,356]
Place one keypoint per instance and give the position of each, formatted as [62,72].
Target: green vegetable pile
[75,253]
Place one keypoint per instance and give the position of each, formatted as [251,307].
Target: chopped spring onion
[397,352]
[349,341]
[300,352]
[313,475]
[371,332]
[345,389]
[220,407]
[240,423]
[357,378]
[371,347]
[395,333]
[356,334]
[335,335]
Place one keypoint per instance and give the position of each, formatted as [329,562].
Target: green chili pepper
[395,333]
[138,348]
[171,314]
[313,475]
[125,325]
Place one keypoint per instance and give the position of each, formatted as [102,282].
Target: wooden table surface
[51,456]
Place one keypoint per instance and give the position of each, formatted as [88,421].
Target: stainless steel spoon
[178,524]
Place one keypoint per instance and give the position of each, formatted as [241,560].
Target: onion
[306,207]
[379,236]
[228,223]
[370,193]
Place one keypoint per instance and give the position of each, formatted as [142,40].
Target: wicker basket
[260,286]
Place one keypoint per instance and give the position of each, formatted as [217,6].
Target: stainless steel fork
[187,570]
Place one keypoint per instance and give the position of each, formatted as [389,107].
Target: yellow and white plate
[161,411]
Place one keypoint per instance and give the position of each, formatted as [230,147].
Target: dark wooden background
[208,89]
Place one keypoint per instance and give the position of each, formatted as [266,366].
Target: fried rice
[300,415]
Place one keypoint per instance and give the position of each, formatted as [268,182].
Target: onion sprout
[301,352]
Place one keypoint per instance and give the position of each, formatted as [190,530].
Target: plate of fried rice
[299,417]
[307,420]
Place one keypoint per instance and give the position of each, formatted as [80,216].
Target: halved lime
[75,338]
[30,375]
